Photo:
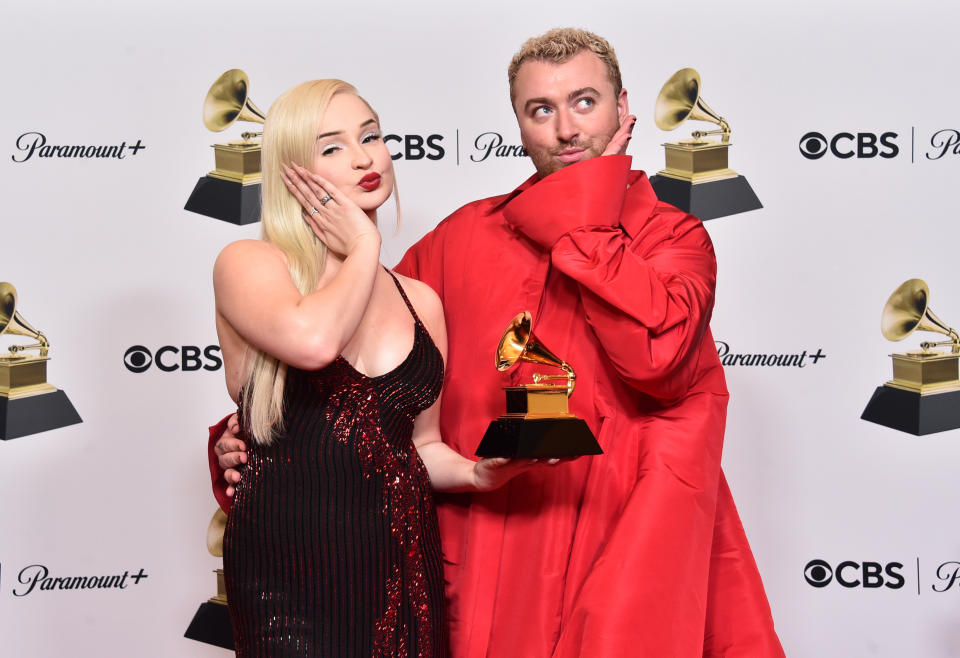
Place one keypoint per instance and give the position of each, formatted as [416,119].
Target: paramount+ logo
[170,358]
[846,145]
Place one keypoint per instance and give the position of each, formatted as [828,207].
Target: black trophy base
[913,413]
[35,414]
[710,200]
[211,625]
[225,200]
[541,437]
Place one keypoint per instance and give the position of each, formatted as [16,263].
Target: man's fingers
[232,476]
[228,444]
[232,460]
[618,143]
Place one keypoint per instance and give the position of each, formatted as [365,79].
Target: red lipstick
[370,182]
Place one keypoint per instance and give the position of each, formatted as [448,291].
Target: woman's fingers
[303,190]
[297,192]
[335,194]
[318,223]
[311,221]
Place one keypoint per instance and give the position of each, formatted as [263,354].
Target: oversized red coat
[638,552]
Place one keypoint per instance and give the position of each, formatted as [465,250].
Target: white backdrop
[104,258]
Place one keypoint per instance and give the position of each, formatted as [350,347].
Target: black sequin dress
[332,547]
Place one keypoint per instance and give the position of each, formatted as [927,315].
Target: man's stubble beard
[545,160]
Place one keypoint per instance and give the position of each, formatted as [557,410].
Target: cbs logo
[814,145]
[850,574]
[416,147]
[169,358]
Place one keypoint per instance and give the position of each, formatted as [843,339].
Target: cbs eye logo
[169,358]
[849,574]
[818,573]
[814,145]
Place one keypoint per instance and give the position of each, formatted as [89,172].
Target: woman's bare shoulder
[248,248]
[248,253]
[425,301]
[419,291]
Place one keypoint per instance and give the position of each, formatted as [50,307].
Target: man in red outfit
[639,551]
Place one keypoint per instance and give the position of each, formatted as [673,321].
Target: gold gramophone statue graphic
[538,422]
[28,404]
[697,177]
[924,395]
[211,624]
[230,192]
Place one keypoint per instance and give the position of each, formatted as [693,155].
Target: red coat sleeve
[216,474]
[645,270]
[424,260]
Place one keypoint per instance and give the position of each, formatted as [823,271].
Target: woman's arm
[449,470]
[452,472]
[258,299]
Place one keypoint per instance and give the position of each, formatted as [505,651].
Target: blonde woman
[331,546]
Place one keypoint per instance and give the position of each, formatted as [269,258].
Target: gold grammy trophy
[924,395]
[211,624]
[697,177]
[538,422]
[28,404]
[231,192]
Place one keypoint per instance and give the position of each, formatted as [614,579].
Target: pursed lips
[370,182]
[570,155]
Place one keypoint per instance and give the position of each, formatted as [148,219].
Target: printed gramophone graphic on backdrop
[211,623]
[538,422]
[924,395]
[28,404]
[697,177]
[231,192]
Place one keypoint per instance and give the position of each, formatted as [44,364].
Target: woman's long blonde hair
[289,136]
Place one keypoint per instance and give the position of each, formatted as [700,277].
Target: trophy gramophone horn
[908,310]
[228,101]
[679,100]
[215,533]
[11,322]
[519,343]
[211,623]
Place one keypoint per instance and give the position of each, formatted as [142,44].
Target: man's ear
[623,108]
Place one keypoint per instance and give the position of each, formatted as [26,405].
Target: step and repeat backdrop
[844,124]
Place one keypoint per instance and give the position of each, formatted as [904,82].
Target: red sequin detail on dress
[332,546]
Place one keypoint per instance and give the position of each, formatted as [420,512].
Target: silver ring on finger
[314,211]
[325,199]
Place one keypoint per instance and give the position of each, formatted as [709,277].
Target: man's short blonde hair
[559,45]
